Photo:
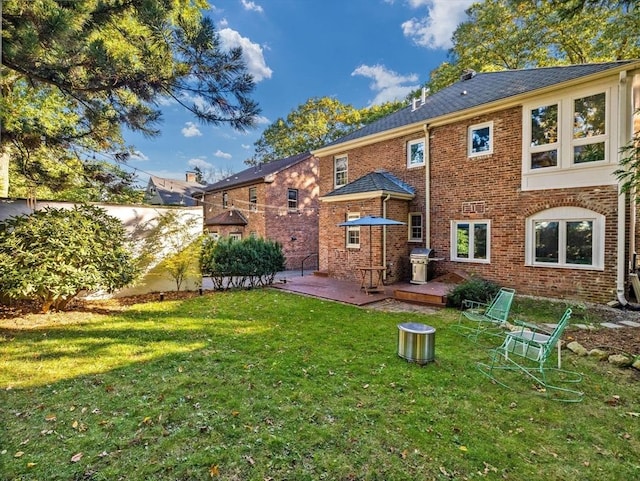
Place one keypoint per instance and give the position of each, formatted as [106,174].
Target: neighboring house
[277,201]
[506,175]
[161,191]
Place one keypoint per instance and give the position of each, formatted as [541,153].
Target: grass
[266,385]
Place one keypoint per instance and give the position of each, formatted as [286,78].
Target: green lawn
[266,385]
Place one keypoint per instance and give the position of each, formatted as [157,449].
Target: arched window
[566,237]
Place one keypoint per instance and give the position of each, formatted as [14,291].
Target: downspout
[623,139]
[384,237]
[427,196]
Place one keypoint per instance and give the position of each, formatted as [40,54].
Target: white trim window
[415,153]
[236,236]
[353,232]
[415,227]
[565,237]
[253,199]
[225,200]
[292,200]
[471,241]
[340,171]
[567,132]
[480,139]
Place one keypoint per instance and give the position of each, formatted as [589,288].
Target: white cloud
[434,31]
[191,130]
[252,53]
[251,6]
[387,84]
[138,155]
[245,146]
[261,120]
[200,163]
[222,155]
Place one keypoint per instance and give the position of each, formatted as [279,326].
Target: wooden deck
[433,293]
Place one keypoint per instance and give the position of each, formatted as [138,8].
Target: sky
[360,52]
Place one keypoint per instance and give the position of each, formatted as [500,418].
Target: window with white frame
[566,132]
[415,153]
[235,236]
[415,227]
[480,139]
[225,200]
[566,237]
[353,232]
[471,241]
[340,170]
[292,200]
[253,199]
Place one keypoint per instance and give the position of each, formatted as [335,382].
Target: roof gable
[230,217]
[175,192]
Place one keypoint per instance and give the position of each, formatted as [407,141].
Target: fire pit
[416,342]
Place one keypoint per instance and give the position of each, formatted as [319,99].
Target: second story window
[415,153]
[253,199]
[480,139]
[225,200]
[292,199]
[340,169]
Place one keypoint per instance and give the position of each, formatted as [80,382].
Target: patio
[433,293]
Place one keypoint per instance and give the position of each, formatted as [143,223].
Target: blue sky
[361,52]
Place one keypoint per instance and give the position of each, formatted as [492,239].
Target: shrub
[241,263]
[53,254]
[474,289]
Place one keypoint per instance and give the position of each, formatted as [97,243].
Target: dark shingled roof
[231,217]
[374,182]
[257,173]
[483,88]
[176,192]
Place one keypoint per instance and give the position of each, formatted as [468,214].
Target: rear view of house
[505,175]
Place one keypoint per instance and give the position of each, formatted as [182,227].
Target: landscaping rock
[636,364]
[577,348]
[598,354]
[620,360]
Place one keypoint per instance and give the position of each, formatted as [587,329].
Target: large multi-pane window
[567,132]
[292,199]
[470,241]
[353,232]
[253,199]
[415,153]
[340,170]
[415,227]
[566,237]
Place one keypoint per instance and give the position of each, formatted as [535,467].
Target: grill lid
[422,252]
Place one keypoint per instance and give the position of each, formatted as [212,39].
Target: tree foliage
[52,255]
[317,122]
[75,73]
[516,34]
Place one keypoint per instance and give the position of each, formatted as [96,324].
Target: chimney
[191,177]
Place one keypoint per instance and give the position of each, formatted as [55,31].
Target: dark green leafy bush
[474,289]
[248,262]
[53,254]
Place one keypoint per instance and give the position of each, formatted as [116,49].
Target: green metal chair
[479,318]
[525,351]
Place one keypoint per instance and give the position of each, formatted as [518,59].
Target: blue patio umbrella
[371,221]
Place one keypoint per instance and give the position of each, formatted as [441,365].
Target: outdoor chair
[479,318]
[525,351]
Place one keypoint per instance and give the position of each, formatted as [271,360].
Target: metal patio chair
[525,351]
[480,318]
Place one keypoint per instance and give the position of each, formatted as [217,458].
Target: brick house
[277,201]
[505,175]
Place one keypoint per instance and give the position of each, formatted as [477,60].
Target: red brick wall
[271,219]
[335,258]
[495,181]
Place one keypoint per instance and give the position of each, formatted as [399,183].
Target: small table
[375,278]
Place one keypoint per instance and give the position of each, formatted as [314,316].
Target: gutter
[384,237]
[427,180]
